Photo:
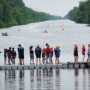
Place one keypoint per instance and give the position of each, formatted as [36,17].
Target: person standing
[75,53]
[38,54]
[21,54]
[13,56]
[48,54]
[51,52]
[83,51]
[9,55]
[88,53]
[5,55]
[57,54]
[43,55]
[31,55]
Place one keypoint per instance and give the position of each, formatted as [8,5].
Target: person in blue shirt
[38,53]
[88,53]
[57,54]
[5,55]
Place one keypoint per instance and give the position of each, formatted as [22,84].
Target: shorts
[38,56]
[57,56]
[31,56]
[75,54]
[21,56]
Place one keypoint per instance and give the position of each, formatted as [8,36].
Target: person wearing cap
[21,54]
[38,54]
[13,56]
[88,53]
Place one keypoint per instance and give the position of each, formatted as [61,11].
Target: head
[37,45]
[5,49]
[9,48]
[83,45]
[47,44]
[31,47]
[19,45]
[75,46]
[88,45]
[13,48]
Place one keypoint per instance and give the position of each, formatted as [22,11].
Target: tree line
[14,12]
[80,14]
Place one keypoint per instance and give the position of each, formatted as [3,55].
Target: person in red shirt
[83,51]
[9,55]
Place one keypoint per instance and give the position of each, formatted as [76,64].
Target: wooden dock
[49,66]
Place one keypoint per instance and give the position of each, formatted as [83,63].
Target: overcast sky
[54,7]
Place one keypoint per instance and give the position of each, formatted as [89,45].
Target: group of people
[10,54]
[75,53]
[45,54]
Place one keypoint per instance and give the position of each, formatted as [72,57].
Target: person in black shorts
[38,54]
[75,53]
[21,54]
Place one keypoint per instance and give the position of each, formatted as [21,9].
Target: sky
[53,7]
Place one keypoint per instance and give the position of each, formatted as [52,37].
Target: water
[62,79]
[33,34]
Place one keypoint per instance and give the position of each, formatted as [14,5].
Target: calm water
[62,79]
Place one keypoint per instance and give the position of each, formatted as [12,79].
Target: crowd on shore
[43,55]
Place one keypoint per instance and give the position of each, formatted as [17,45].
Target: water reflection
[21,74]
[10,79]
[21,80]
[84,79]
[88,78]
[76,80]
[46,79]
